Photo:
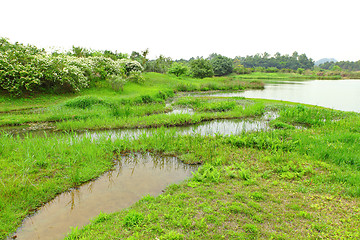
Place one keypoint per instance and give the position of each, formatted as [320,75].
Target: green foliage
[201,68]
[25,69]
[178,69]
[159,65]
[84,102]
[278,61]
[208,173]
[222,65]
[133,219]
[136,77]
[300,71]
[117,82]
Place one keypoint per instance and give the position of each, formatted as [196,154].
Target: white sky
[188,28]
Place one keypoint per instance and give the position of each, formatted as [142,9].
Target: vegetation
[201,68]
[278,61]
[298,178]
[346,65]
[249,186]
[222,65]
[25,69]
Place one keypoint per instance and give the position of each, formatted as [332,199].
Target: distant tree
[178,69]
[222,65]
[159,65]
[201,68]
[300,70]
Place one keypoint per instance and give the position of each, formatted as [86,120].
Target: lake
[336,94]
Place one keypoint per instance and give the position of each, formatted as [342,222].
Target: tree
[178,69]
[201,68]
[159,65]
[222,65]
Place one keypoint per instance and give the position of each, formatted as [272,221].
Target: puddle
[137,176]
[182,111]
[222,127]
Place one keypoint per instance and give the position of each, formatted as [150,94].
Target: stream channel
[133,177]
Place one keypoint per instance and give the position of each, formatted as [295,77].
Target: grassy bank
[283,183]
[132,93]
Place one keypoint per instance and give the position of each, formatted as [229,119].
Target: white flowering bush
[26,68]
[131,66]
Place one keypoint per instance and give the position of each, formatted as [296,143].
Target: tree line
[346,65]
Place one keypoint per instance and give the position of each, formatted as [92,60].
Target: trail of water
[133,178]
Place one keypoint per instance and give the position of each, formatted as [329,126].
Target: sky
[188,28]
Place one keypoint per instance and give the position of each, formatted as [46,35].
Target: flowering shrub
[26,68]
[131,66]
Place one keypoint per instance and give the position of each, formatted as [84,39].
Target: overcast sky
[188,28]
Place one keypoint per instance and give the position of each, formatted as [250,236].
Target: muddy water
[223,127]
[134,178]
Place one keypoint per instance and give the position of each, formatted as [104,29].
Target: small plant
[133,219]
[117,82]
[136,77]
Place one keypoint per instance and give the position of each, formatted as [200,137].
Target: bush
[201,68]
[26,69]
[272,70]
[300,71]
[117,82]
[222,65]
[136,77]
[240,69]
[178,69]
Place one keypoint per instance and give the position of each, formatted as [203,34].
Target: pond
[133,177]
[336,94]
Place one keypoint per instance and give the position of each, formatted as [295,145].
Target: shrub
[222,65]
[25,69]
[136,77]
[131,66]
[178,69]
[300,70]
[201,68]
[117,82]
[272,70]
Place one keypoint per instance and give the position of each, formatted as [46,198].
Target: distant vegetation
[26,69]
[345,65]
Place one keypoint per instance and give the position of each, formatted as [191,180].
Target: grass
[278,184]
[299,180]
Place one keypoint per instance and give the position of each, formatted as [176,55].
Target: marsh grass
[261,185]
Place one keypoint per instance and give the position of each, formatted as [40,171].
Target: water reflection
[136,176]
[222,127]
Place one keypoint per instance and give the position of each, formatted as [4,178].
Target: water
[223,127]
[336,94]
[136,177]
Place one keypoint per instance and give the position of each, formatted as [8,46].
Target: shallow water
[337,94]
[223,127]
[136,177]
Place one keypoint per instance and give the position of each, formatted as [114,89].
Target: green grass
[299,179]
[279,184]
